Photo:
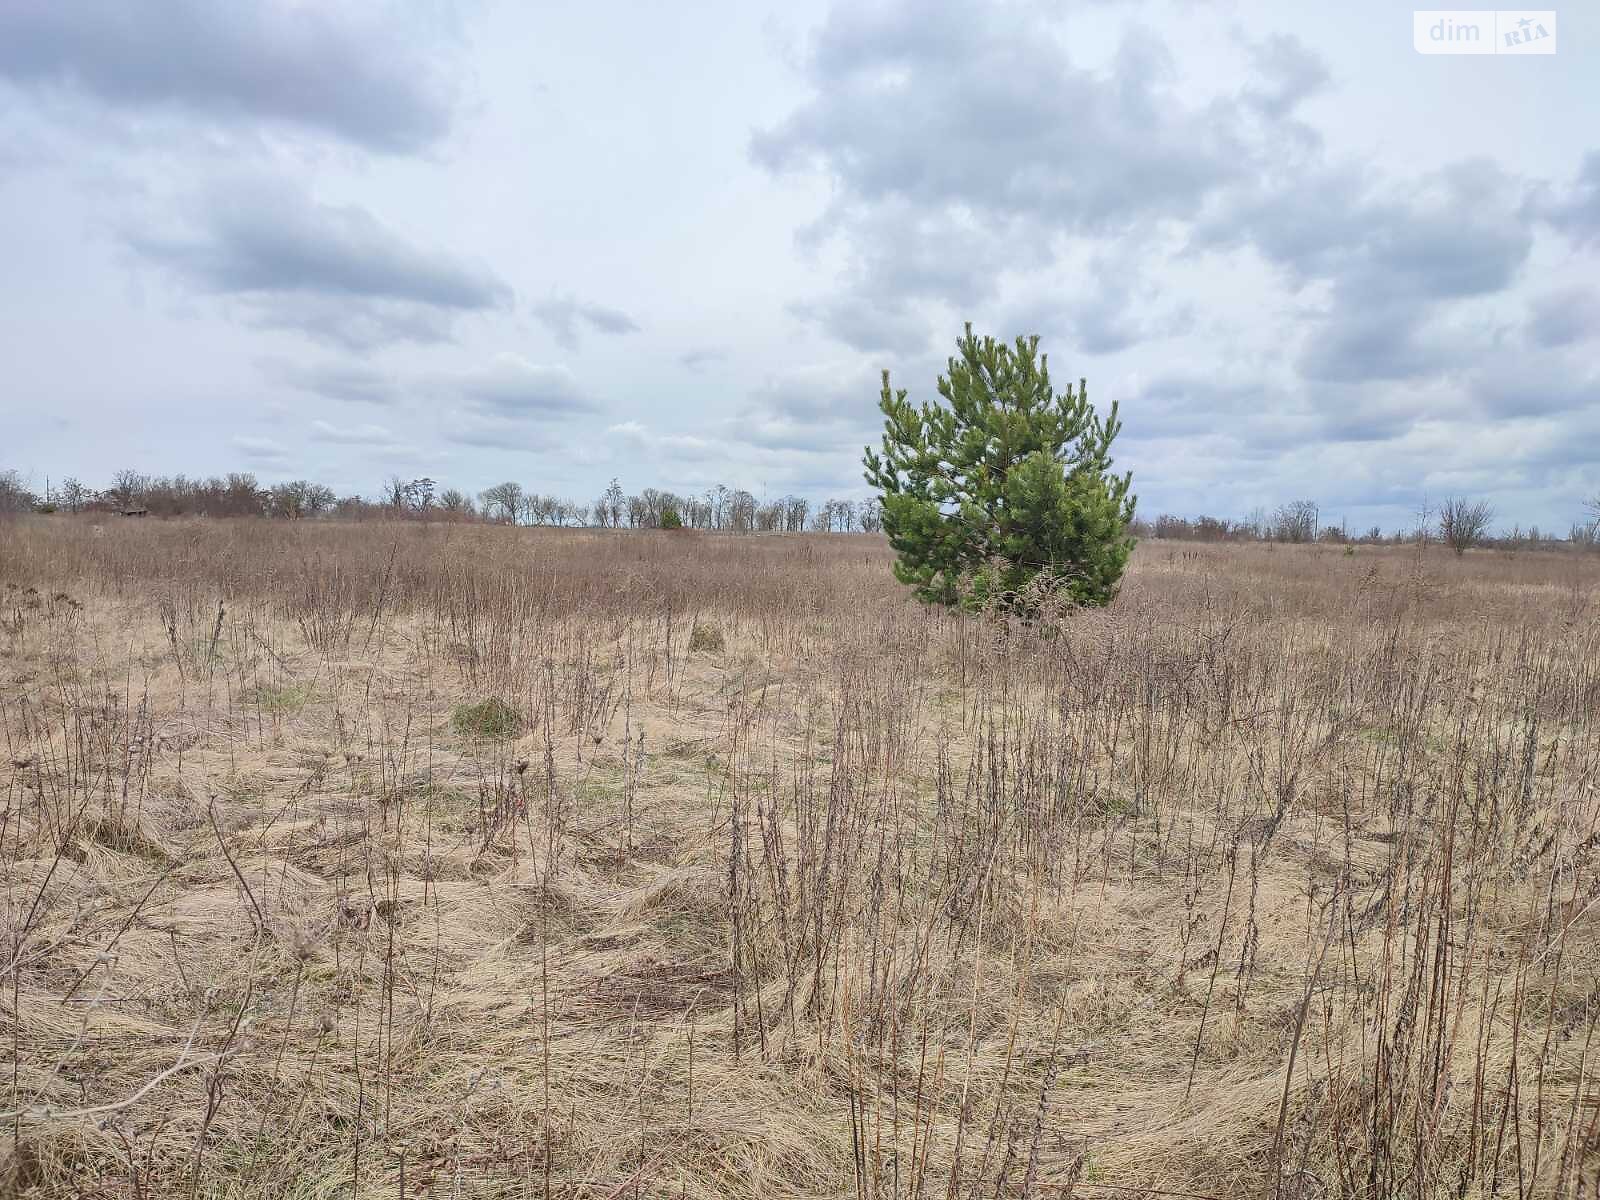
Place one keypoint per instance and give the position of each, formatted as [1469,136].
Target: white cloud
[358,435]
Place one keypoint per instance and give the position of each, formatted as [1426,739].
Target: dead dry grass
[1279,878]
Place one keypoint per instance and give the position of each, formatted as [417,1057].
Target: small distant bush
[1464,523]
[705,636]
[491,718]
[671,520]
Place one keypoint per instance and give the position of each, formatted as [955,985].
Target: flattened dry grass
[1276,878]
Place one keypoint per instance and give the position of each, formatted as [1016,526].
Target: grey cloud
[911,99]
[358,327]
[702,357]
[1517,383]
[904,258]
[1303,223]
[1179,405]
[1107,328]
[1395,261]
[511,386]
[608,320]
[820,393]
[902,249]
[334,69]
[962,148]
[1565,317]
[1575,211]
[1102,328]
[867,324]
[334,272]
[1460,235]
[1378,342]
[562,316]
[1353,413]
[255,240]
[828,407]
[1567,443]
[1457,233]
[335,381]
[1110,309]
[1290,73]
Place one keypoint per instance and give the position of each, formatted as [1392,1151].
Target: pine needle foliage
[1003,493]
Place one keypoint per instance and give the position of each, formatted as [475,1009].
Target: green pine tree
[1003,491]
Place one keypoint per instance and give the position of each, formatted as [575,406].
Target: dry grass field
[426,860]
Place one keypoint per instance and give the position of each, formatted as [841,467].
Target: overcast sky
[676,243]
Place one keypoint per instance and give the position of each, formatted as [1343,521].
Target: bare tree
[834,516]
[742,512]
[394,494]
[540,509]
[456,503]
[504,497]
[127,488]
[611,507]
[1462,522]
[15,497]
[1295,522]
[299,498]
[239,494]
[717,498]
[75,495]
[1423,533]
[1586,533]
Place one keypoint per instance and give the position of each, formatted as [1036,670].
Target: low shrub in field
[283,698]
[706,636]
[491,718]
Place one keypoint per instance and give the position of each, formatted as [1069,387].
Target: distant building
[134,512]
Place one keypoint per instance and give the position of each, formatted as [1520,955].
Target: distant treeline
[1301,521]
[242,495]
[720,508]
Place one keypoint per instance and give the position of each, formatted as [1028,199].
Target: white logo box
[1484,31]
